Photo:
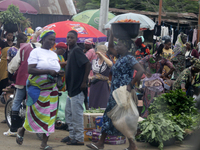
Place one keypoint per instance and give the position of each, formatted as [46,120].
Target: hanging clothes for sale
[171,33]
[190,36]
[176,33]
[194,36]
[164,31]
[157,31]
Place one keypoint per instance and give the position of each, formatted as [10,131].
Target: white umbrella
[145,21]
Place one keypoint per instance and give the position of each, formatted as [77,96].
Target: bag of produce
[125,115]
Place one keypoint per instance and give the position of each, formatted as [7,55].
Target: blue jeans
[74,116]
[19,97]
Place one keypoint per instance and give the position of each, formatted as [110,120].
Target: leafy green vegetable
[93,110]
[159,128]
[169,116]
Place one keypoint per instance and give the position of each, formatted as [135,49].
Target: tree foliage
[145,5]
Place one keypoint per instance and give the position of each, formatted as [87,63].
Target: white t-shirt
[45,59]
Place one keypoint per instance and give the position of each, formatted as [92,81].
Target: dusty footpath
[31,141]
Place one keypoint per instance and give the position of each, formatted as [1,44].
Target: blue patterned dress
[122,74]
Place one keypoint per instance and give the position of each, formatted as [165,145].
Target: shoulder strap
[33,45]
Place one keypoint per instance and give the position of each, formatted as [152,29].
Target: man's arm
[15,63]
[87,71]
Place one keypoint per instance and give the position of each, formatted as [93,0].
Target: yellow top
[167,53]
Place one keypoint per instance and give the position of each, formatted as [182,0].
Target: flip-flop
[75,142]
[46,147]
[94,147]
[19,139]
[66,139]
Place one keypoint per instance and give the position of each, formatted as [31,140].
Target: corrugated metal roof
[155,14]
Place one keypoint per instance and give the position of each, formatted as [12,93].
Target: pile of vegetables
[93,110]
[171,115]
[13,16]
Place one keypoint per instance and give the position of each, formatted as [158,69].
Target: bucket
[125,31]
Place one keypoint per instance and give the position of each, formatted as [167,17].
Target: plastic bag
[125,115]
[62,105]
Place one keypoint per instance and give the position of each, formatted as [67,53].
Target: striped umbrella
[91,17]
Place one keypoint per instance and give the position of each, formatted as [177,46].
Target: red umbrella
[23,6]
[85,31]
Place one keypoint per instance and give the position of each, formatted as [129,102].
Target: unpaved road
[31,141]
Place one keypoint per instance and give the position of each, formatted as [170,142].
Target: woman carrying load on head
[42,96]
[122,73]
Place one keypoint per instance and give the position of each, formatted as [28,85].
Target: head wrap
[196,63]
[138,42]
[179,39]
[38,28]
[61,45]
[142,39]
[88,41]
[46,33]
[102,48]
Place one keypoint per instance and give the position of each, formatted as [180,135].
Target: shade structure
[23,6]
[91,17]
[84,31]
[146,22]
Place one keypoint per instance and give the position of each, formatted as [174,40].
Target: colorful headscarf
[46,33]
[89,41]
[179,46]
[138,42]
[196,63]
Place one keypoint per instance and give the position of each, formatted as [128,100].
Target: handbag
[95,80]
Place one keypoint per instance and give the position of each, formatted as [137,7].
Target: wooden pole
[160,12]
[198,31]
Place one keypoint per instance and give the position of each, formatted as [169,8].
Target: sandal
[66,139]
[46,148]
[75,142]
[94,147]
[19,139]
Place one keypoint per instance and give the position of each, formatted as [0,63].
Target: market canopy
[91,17]
[23,6]
[146,22]
[84,31]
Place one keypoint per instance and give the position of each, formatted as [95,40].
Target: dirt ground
[32,142]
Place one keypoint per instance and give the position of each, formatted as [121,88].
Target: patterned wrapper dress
[41,116]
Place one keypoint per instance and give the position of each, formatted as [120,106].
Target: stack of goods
[90,122]
[93,121]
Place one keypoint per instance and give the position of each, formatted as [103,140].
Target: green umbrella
[91,17]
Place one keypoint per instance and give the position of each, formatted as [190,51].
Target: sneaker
[9,133]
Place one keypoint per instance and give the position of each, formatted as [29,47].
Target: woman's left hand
[129,88]
[61,73]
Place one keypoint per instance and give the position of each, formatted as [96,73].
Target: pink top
[91,55]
